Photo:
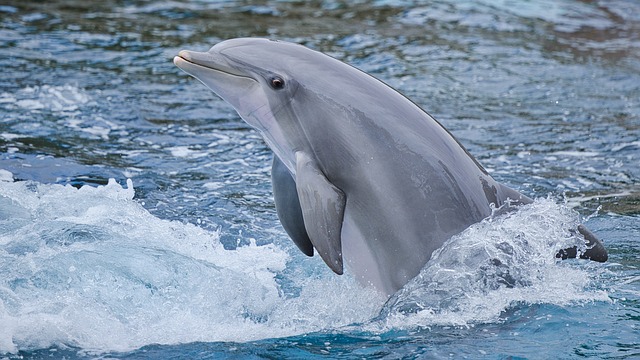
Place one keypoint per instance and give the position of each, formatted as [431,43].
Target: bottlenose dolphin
[360,173]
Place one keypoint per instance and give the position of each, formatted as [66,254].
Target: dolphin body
[360,173]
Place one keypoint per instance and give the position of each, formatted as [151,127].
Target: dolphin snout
[182,56]
[198,58]
[209,60]
[185,54]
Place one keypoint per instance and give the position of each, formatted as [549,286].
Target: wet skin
[361,174]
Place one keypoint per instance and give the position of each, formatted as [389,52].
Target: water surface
[181,254]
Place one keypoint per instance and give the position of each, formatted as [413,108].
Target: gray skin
[361,174]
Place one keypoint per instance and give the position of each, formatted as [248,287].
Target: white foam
[68,101]
[64,98]
[6,175]
[92,268]
[494,265]
[626,146]
[186,152]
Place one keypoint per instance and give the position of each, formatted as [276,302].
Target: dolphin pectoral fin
[322,209]
[595,249]
[288,208]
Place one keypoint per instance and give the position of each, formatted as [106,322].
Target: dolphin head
[254,76]
[270,84]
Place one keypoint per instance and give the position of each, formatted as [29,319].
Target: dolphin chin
[361,174]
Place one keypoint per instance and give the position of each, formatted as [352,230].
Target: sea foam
[91,268]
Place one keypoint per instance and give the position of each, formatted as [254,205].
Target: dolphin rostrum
[360,173]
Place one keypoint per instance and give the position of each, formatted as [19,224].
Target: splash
[91,268]
[494,265]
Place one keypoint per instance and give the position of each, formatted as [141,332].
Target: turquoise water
[181,254]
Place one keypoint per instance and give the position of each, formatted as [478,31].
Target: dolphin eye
[277,82]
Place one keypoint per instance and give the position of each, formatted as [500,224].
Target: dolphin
[361,174]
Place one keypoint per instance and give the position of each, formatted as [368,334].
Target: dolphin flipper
[595,249]
[322,209]
[288,206]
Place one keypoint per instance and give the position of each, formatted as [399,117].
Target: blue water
[136,215]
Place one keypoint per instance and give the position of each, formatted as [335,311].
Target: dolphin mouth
[187,60]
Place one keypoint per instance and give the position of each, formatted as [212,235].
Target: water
[181,254]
